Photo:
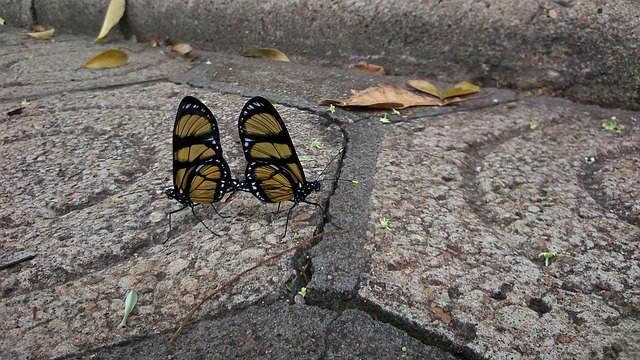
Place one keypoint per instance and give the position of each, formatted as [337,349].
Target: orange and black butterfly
[200,173]
[274,173]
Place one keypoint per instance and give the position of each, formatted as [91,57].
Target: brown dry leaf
[107,59]
[459,89]
[182,48]
[443,316]
[369,68]
[185,50]
[16,111]
[42,35]
[114,14]
[384,96]
[265,53]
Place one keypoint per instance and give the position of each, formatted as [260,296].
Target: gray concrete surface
[473,194]
[585,50]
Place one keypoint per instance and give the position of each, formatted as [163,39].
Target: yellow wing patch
[192,125]
[262,124]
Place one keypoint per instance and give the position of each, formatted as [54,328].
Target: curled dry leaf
[16,111]
[265,53]
[369,68]
[182,48]
[107,59]
[185,50]
[114,14]
[459,89]
[42,35]
[383,96]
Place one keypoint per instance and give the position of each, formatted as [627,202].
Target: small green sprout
[385,119]
[315,144]
[533,124]
[288,287]
[332,109]
[129,304]
[547,256]
[395,112]
[208,62]
[404,349]
[612,125]
[306,158]
[25,102]
[214,74]
[303,291]
[384,224]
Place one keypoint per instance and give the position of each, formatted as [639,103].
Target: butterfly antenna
[332,159]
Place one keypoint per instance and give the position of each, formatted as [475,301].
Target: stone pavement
[473,193]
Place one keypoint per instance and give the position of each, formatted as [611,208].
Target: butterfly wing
[200,173]
[274,172]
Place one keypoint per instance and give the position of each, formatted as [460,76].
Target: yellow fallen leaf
[384,96]
[42,35]
[114,14]
[424,86]
[459,89]
[107,59]
[265,53]
[1,21]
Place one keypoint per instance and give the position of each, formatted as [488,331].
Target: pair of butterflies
[201,175]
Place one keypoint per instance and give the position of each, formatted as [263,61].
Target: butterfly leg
[193,210]
[175,211]
[286,224]
[216,210]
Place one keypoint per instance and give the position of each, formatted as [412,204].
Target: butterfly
[274,173]
[200,173]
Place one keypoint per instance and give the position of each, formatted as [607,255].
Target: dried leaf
[114,14]
[16,111]
[182,48]
[107,59]
[265,53]
[459,89]
[1,21]
[384,96]
[424,86]
[369,68]
[42,35]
